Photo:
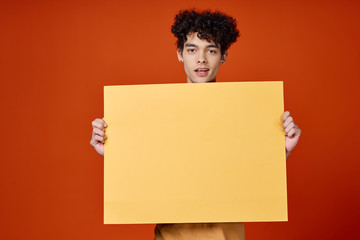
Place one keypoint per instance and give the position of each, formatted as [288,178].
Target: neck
[188,80]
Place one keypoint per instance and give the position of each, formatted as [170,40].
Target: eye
[212,51]
[191,50]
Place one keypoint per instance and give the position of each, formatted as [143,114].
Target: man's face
[201,59]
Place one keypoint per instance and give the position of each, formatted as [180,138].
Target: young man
[203,39]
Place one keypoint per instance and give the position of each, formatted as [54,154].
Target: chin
[201,80]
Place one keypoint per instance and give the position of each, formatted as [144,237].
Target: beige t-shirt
[200,231]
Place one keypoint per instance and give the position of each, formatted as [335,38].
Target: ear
[179,55]
[224,57]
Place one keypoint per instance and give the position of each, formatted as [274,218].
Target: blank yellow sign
[182,153]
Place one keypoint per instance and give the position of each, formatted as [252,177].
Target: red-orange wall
[56,56]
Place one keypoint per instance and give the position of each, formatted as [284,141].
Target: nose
[201,58]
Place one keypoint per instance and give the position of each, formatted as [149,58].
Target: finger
[101,121]
[105,124]
[287,122]
[284,116]
[298,130]
[99,132]
[97,124]
[289,127]
[291,133]
[98,138]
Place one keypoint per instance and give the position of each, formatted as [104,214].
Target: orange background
[55,58]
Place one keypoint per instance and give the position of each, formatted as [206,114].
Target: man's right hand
[98,135]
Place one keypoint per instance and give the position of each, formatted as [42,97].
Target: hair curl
[208,25]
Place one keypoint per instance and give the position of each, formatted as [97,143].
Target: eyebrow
[194,45]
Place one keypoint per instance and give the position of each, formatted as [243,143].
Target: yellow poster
[187,153]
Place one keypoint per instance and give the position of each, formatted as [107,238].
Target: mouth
[201,72]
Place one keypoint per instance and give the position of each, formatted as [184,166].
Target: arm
[292,132]
[98,135]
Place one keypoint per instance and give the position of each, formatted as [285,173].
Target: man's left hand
[292,132]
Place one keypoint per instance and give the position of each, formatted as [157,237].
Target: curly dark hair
[215,26]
